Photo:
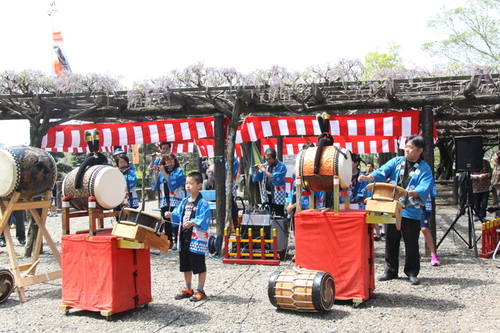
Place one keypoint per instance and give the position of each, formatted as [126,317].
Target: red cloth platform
[97,275]
[341,245]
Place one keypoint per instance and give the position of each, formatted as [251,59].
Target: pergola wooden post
[220,172]
[426,121]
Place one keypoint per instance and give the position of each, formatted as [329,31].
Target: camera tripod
[466,206]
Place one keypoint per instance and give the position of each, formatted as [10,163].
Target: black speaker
[469,153]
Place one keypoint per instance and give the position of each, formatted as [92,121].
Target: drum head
[9,176]
[323,295]
[133,211]
[6,284]
[109,187]
[140,217]
[270,288]
[386,191]
[299,163]
[132,224]
[343,167]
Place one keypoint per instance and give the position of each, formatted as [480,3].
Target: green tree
[470,33]
[380,65]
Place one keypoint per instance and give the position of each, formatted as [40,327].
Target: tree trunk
[32,233]
[231,139]
[426,123]
[252,190]
[219,171]
[445,167]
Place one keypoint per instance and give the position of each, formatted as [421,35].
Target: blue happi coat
[176,181]
[278,179]
[421,181]
[131,181]
[236,166]
[199,237]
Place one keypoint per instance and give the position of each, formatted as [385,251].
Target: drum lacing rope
[294,302]
[301,162]
[320,179]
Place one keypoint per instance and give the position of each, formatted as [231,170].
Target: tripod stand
[466,206]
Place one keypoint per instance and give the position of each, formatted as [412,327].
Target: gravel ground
[461,295]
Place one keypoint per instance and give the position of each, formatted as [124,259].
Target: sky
[149,38]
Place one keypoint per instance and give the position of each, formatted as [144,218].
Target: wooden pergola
[459,105]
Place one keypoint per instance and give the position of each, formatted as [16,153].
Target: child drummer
[193,217]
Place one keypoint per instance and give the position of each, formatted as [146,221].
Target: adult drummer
[165,148]
[273,174]
[412,173]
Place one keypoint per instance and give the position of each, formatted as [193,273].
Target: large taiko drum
[28,170]
[335,161]
[104,182]
[302,290]
[6,284]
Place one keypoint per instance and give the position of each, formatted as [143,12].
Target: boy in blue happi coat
[193,218]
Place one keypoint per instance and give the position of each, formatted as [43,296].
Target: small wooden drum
[385,191]
[6,284]
[335,161]
[141,234]
[384,205]
[29,170]
[302,290]
[139,217]
[104,182]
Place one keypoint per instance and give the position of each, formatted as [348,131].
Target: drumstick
[158,226]
[174,223]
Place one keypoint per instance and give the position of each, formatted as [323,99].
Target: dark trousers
[278,210]
[169,230]
[480,203]
[234,213]
[410,231]
[19,216]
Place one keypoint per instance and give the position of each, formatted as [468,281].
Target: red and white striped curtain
[360,133]
[206,147]
[389,124]
[181,133]
[358,145]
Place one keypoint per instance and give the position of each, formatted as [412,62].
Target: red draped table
[341,245]
[98,275]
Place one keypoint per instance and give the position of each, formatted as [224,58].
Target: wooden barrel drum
[28,170]
[104,182]
[302,290]
[139,217]
[384,206]
[140,227]
[384,191]
[335,161]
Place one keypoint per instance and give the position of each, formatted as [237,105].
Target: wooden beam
[467,132]
[247,96]
[317,94]
[110,101]
[466,126]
